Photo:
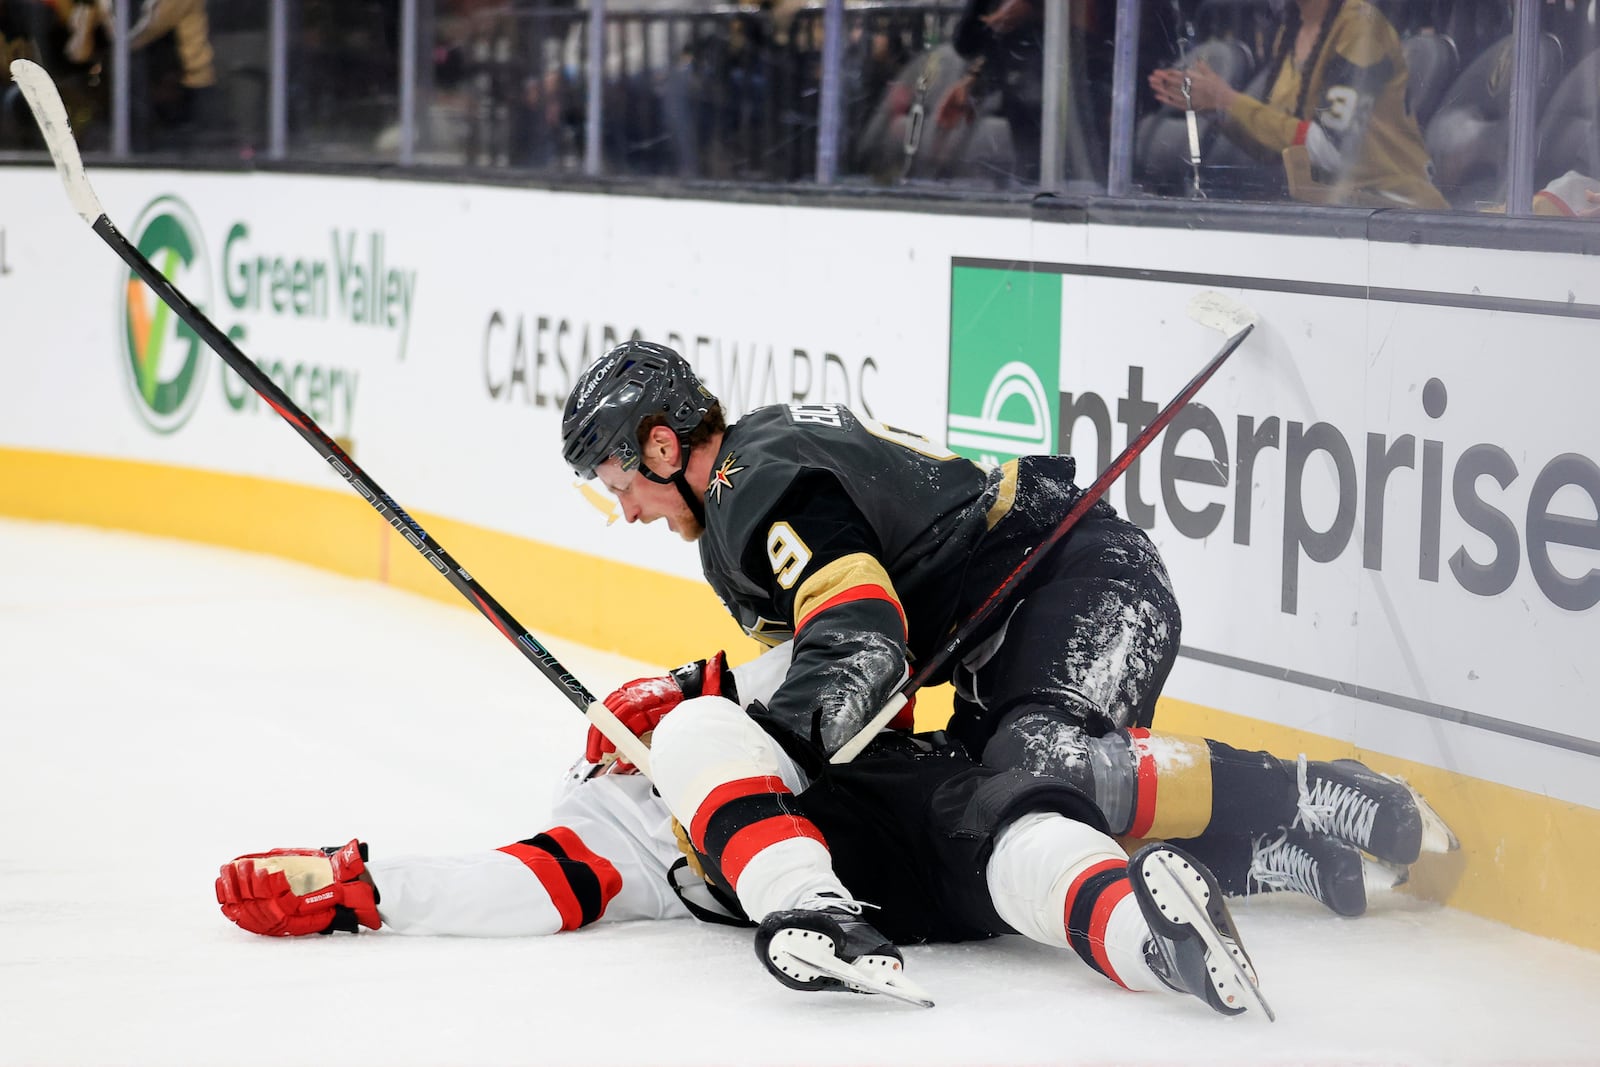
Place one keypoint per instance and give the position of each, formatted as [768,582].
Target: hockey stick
[45,102]
[1209,308]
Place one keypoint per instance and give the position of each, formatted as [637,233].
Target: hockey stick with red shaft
[45,102]
[1216,313]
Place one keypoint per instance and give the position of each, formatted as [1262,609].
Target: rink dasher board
[1381,517]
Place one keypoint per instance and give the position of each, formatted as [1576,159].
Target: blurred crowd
[1370,103]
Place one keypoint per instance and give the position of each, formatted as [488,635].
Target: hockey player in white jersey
[941,848]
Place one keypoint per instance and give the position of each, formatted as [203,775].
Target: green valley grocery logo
[164,359]
[1005,363]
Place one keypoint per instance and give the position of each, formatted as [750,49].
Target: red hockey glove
[293,891]
[642,703]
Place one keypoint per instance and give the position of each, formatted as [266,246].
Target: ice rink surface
[167,706]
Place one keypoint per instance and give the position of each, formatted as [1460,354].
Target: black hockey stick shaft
[1090,497]
[1003,591]
[340,461]
[44,100]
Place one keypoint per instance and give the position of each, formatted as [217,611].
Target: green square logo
[1005,363]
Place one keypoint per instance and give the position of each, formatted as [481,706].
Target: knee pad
[708,741]
[1042,741]
[1145,784]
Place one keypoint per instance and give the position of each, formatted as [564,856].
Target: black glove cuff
[691,678]
[344,921]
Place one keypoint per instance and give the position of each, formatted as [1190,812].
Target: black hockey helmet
[630,383]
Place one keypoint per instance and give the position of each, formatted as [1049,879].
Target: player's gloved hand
[642,703]
[289,892]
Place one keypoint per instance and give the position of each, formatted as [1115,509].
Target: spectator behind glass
[1339,90]
[175,93]
[1004,40]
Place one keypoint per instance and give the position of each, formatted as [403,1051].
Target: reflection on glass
[523,84]
[946,91]
[1366,103]
[343,79]
[1470,136]
[967,107]
[240,50]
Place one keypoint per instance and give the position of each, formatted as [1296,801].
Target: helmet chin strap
[696,508]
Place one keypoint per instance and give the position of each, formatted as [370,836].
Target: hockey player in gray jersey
[853,548]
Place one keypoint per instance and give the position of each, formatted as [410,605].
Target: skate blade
[818,955]
[1436,835]
[1378,875]
[1171,878]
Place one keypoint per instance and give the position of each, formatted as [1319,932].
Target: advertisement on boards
[1361,523]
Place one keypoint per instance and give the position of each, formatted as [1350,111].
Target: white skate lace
[1278,865]
[1337,810]
[830,902]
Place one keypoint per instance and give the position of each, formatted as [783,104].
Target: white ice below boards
[167,706]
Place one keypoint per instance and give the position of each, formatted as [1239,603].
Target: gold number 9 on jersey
[787,553]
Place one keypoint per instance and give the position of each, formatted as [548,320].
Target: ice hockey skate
[1193,946]
[1377,813]
[825,944]
[1324,868]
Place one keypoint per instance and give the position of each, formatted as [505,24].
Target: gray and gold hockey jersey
[855,541]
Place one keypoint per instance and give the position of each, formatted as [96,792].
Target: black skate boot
[1376,813]
[1323,868]
[825,944]
[1193,945]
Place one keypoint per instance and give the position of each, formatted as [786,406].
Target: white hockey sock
[783,875]
[485,894]
[1063,883]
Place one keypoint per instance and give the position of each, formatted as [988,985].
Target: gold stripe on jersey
[1006,497]
[831,580]
[769,633]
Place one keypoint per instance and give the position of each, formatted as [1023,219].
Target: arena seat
[1569,131]
[1469,134]
[1432,63]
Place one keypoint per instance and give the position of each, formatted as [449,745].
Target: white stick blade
[51,115]
[1220,312]
[852,748]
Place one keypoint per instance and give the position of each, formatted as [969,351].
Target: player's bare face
[643,500]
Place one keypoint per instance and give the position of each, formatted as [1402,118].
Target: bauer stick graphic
[45,102]
[1209,308]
